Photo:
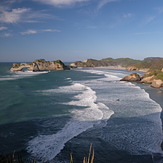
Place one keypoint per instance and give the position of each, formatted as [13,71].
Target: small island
[40,65]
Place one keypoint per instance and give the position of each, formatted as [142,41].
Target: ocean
[48,115]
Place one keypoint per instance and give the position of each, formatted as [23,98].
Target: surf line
[46,147]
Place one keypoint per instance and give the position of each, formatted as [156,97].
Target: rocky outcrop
[132,68]
[148,80]
[20,67]
[40,65]
[132,77]
[157,83]
[154,78]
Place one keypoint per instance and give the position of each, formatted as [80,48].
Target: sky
[75,30]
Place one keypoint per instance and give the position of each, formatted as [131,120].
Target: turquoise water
[49,115]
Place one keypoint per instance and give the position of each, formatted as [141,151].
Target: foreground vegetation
[16,157]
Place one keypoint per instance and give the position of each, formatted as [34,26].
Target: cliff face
[40,65]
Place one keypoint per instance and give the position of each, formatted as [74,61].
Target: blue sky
[73,30]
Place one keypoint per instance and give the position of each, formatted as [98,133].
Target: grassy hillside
[124,62]
[155,64]
[121,61]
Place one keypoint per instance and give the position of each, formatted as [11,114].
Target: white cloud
[30,31]
[7,35]
[61,3]
[159,9]
[51,30]
[3,28]
[128,15]
[13,16]
[149,19]
[22,15]
[104,2]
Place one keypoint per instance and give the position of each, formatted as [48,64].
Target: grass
[155,72]
[16,157]
[16,65]
[90,158]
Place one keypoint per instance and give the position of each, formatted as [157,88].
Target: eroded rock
[132,77]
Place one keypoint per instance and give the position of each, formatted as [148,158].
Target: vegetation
[106,62]
[40,60]
[17,158]
[122,61]
[155,72]
[16,65]
[149,63]
[150,59]
[58,61]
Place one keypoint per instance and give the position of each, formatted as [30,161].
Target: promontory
[40,65]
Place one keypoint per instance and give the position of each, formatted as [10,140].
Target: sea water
[49,115]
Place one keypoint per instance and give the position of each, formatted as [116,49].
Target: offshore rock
[132,77]
[40,65]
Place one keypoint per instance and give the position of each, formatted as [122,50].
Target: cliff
[40,65]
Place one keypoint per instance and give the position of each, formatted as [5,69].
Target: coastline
[116,68]
[112,67]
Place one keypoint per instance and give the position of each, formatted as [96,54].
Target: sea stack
[40,65]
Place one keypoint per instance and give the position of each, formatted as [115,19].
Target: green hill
[124,62]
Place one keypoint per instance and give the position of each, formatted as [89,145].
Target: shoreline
[117,68]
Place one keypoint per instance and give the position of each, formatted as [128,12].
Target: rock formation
[148,80]
[157,83]
[40,65]
[132,77]
[154,78]
[132,68]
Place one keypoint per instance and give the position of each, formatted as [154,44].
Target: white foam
[46,147]
[125,99]
[129,103]
[19,75]
[109,75]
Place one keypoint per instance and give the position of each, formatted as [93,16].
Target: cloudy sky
[73,30]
